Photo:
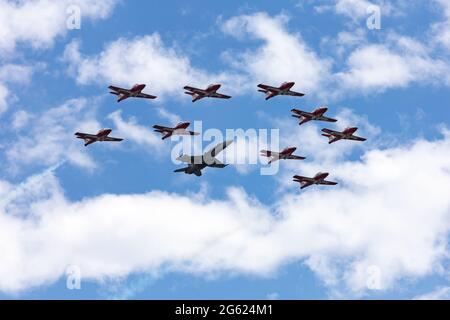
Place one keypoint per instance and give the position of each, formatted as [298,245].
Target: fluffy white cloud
[20,119]
[397,63]
[3,98]
[145,60]
[38,22]
[441,30]
[382,208]
[131,130]
[12,74]
[50,138]
[283,56]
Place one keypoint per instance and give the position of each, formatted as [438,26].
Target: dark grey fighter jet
[197,163]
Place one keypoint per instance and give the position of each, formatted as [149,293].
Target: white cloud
[50,138]
[38,23]
[441,30]
[20,119]
[12,74]
[398,63]
[3,98]
[283,56]
[132,131]
[145,60]
[373,218]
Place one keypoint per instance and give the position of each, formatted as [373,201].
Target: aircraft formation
[195,164]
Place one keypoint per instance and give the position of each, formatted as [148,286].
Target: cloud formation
[143,59]
[379,217]
[50,138]
[38,23]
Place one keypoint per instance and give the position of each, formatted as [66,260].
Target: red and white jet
[283,90]
[317,115]
[318,179]
[210,92]
[286,154]
[179,129]
[347,134]
[101,136]
[135,92]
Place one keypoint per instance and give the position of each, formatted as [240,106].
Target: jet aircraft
[197,163]
[347,134]
[283,90]
[179,129]
[101,136]
[210,92]
[286,154]
[318,179]
[318,115]
[134,92]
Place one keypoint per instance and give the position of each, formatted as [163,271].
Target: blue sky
[136,230]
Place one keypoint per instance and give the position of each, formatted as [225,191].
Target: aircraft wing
[221,96]
[146,96]
[294,94]
[332,132]
[217,149]
[356,138]
[195,90]
[198,172]
[119,89]
[303,179]
[113,139]
[301,113]
[326,119]
[159,128]
[328,183]
[268,88]
[271,95]
[81,135]
[296,158]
